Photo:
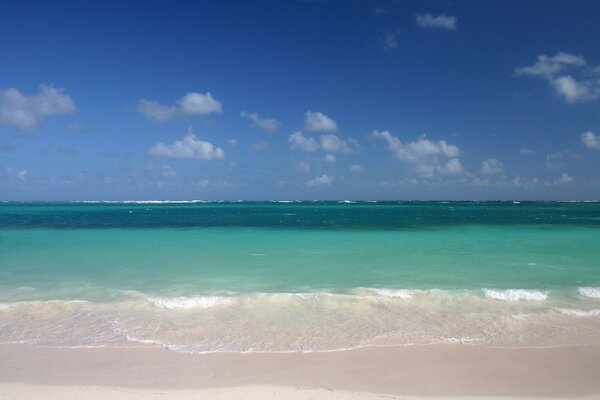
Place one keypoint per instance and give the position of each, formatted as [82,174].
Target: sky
[273,100]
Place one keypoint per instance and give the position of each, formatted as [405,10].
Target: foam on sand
[579,313]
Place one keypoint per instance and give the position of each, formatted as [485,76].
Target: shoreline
[439,370]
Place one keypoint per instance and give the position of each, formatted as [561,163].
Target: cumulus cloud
[491,166]
[328,142]
[356,168]
[320,180]
[168,172]
[261,145]
[428,156]
[389,41]
[452,166]
[267,124]
[301,142]
[429,21]
[24,112]
[13,175]
[525,151]
[329,158]
[335,144]
[303,166]
[590,140]
[319,122]
[191,104]
[564,179]
[189,147]
[558,72]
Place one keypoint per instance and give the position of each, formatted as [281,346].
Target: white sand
[450,371]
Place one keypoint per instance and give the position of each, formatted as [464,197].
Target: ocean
[198,277]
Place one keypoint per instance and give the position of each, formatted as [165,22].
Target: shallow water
[299,276]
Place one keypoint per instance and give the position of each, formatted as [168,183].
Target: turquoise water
[267,276]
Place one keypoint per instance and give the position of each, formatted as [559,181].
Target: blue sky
[299,100]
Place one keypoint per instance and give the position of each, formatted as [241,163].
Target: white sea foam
[515,294]
[397,293]
[183,302]
[579,313]
[593,292]
[4,306]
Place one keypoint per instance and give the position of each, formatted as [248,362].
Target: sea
[299,276]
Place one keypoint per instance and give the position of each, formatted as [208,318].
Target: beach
[339,299]
[432,371]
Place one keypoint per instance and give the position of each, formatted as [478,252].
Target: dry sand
[451,371]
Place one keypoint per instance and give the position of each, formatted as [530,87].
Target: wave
[515,294]
[592,292]
[579,313]
[141,201]
[183,302]
[395,293]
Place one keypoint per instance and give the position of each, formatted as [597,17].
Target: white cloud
[356,168]
[156,111]
[452,166]
[11,174]
[525,151]
[548,67]
[319,122]
[301,142]
[442,21]
[232,142]
[261,145]
[24,111]
[590,140]
[328,142]
[188,147]
[389,41]
[320,180]
[492,166]
[75,127]
[564,179]
[193,103]
[267,124]
[428,156]
[168,172]
[554,71]
[334,144]
[329,158]
[303,166]
[480,182]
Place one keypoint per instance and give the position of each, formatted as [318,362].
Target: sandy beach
[449,371]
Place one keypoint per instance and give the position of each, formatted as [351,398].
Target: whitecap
[592,292]
[515,294]
[183,302]
[396,293]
